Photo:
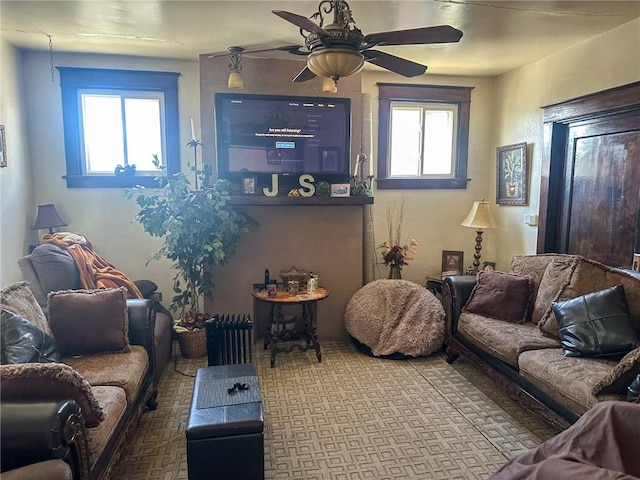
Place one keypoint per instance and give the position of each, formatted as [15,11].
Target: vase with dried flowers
[394,254]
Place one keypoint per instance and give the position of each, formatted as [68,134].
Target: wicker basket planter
[192,343]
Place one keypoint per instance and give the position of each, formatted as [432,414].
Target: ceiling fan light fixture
[235,65]
[334,63]
[235,81]
[329,85]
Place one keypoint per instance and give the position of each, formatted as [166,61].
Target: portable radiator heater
[229,339]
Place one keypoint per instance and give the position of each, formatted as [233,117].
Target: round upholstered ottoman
[395,317]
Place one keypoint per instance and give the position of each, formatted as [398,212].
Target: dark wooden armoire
[590,180]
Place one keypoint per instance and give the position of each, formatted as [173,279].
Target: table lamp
[480,218]
[48,218]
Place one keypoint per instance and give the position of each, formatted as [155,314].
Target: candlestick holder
[193,143]
[361,185]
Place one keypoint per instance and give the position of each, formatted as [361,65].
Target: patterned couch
[556,367]
[80,395]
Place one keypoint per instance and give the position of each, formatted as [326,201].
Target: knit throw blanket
[95,271]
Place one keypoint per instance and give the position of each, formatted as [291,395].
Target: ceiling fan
[339,49]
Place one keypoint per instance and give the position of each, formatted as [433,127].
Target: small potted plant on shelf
[199,230]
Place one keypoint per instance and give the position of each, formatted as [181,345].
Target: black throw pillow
[23,342]
[596,325]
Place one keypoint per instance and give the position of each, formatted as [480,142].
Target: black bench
[225,438]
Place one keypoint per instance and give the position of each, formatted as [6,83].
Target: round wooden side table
[277,334]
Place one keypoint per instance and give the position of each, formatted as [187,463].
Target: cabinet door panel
[602,190]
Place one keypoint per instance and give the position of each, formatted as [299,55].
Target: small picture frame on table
[249,185]
[340,189]
[452,262]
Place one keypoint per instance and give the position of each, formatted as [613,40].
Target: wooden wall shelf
[284,200]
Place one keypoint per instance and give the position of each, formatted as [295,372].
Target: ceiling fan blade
[300,21]
[415,36]
[293,49]
[393,63]
[304,75]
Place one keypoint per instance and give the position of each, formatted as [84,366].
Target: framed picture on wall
[511,174]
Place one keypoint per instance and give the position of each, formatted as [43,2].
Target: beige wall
[505,110]
[103,215]
[603,62]
[324,240]
[16,192]
[433,217]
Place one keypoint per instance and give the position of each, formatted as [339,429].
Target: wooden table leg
[273,332]
[310,327]
[267,333]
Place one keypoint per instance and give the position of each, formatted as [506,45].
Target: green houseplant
[199,228]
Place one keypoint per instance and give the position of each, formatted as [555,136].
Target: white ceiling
[498,35]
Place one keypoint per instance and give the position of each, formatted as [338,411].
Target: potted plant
[199,230]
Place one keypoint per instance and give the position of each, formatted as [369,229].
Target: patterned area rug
[352,417]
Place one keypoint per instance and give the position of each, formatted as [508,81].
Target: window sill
[100,181]
[422,183]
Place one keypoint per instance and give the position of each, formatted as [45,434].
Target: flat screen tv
[287,135]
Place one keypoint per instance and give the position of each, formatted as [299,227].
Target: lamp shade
[48,218]
[235,81]
[329,86]
[335,62]
[480,217]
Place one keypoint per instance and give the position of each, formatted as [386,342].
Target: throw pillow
[56,268]
[19,299]
[591,276]
[47,381]
[536,266]
[596,325]
[504,296]
[23,342]
[555,278]
[621,376]
[90,321]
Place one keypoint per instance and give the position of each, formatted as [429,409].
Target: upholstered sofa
[50,268]
[506,324]
[79,396]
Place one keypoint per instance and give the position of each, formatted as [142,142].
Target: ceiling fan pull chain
[53,71]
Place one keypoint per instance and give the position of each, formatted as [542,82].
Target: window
[118,117]
[423,136]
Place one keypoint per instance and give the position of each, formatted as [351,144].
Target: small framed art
[340,189]
[511,174]
[249,185]
[452,262]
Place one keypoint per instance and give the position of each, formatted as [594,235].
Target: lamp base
[476,256]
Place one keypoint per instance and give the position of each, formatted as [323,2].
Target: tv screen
[265,134]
